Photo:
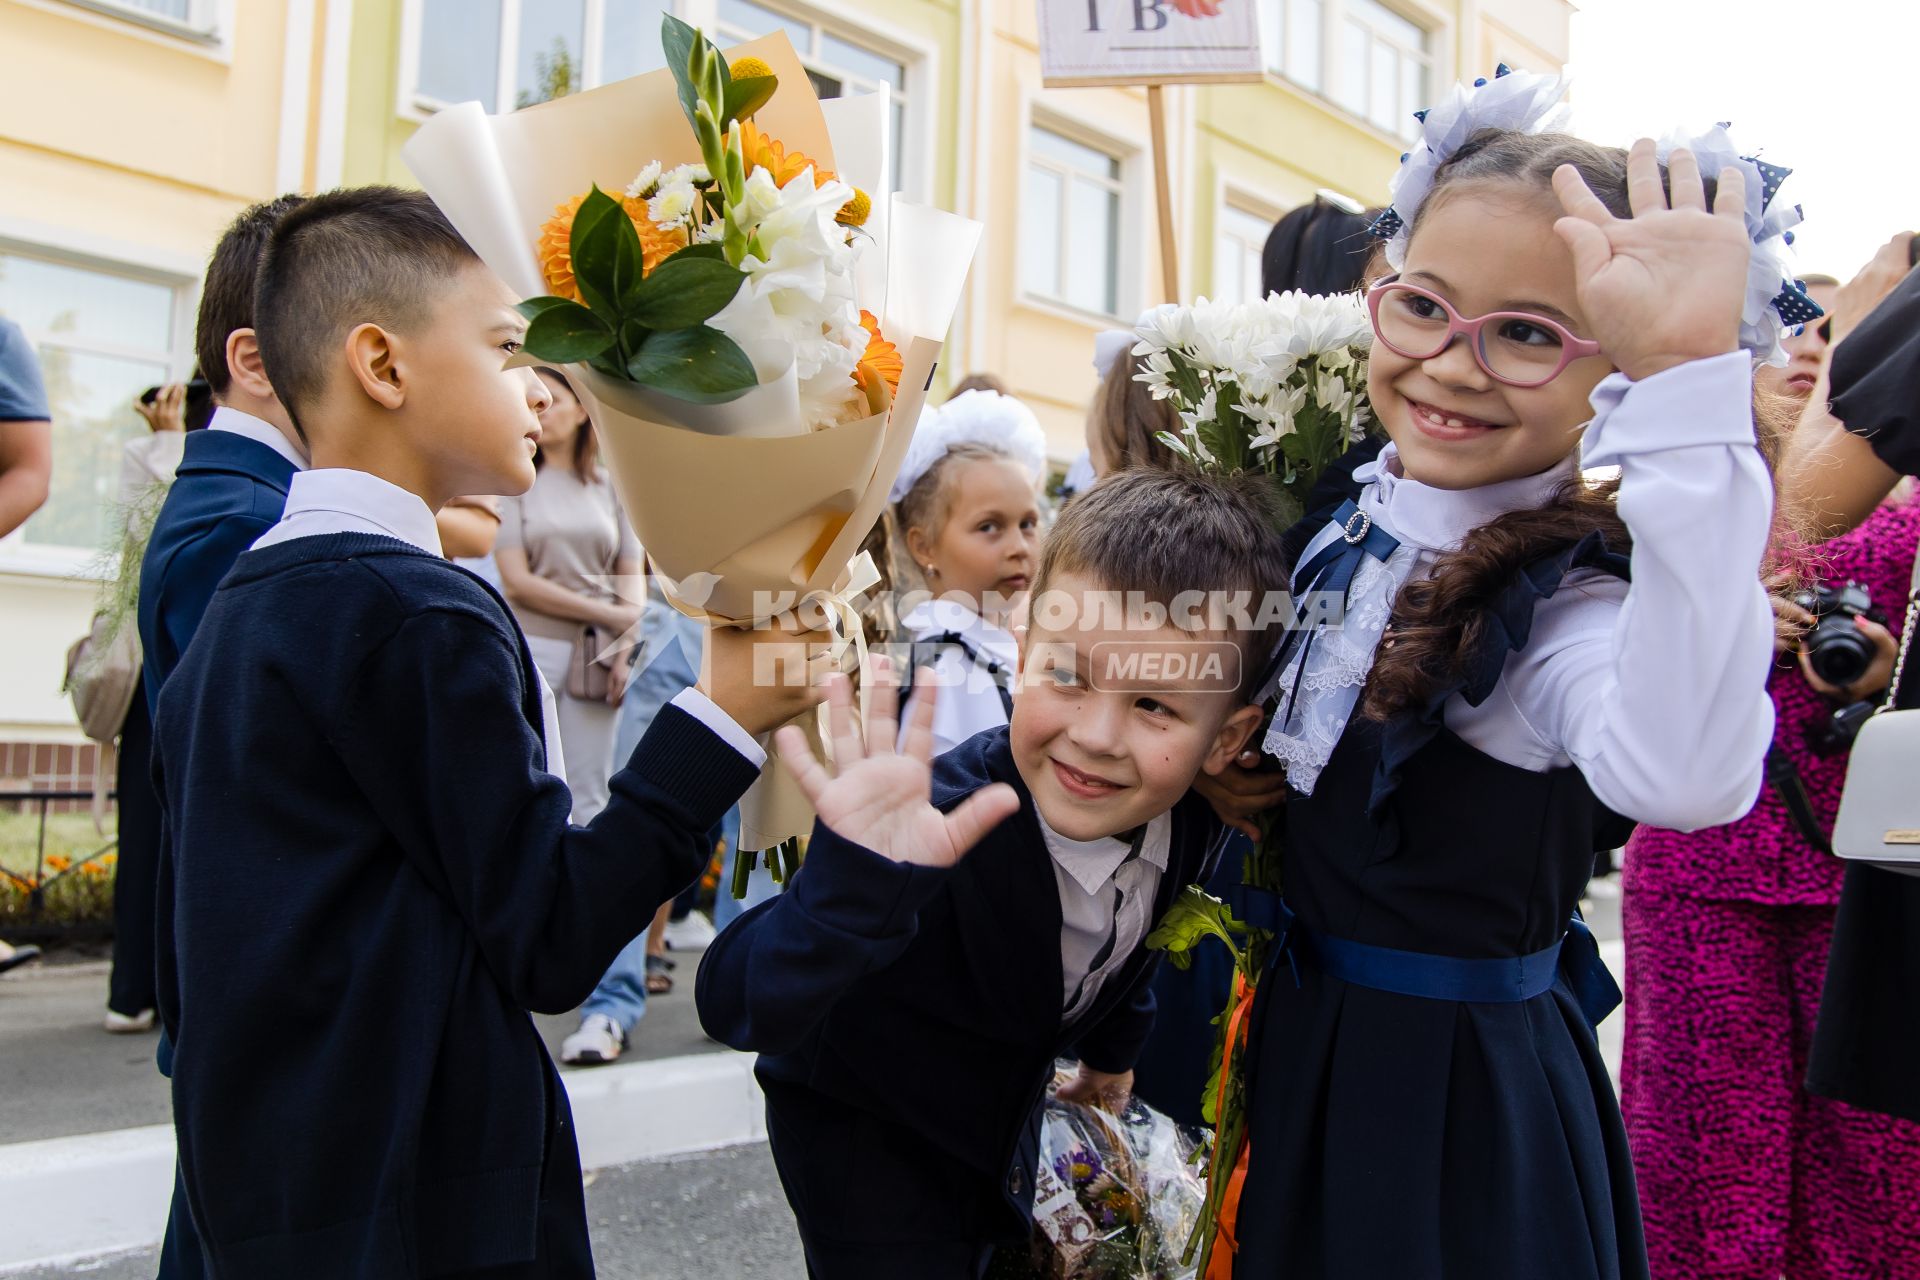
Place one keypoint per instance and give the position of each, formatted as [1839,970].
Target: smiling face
[989,542]
[1485,247]
[1112,723]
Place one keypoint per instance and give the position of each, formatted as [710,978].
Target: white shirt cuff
[702,708]
[1701,402]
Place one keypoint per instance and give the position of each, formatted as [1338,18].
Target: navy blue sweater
[908,1019]
[367,879]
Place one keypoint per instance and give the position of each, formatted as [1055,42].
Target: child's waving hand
[881,799]
[1666,285]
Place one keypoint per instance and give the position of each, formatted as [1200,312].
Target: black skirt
[1866,1045]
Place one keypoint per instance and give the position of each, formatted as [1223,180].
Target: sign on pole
[1144,42]
[1084,43]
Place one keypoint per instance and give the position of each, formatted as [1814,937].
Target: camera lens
[1837,652]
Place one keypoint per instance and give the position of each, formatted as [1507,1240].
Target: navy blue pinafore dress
[1427,1099]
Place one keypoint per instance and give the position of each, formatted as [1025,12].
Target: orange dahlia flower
[761,150]
[556,238]
[882,358]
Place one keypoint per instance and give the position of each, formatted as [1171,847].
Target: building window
[1291,32]
[193,18]
[837,65]
[507,54]
[1238,239]
[1070,223]
[102,339]
[1372,60]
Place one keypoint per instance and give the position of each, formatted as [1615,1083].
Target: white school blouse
[967,702]
[1655,690]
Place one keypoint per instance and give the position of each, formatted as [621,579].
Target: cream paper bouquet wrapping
[744,511]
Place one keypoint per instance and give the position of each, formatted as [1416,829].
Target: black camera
[1833,735]
[198,408]
[1836,650]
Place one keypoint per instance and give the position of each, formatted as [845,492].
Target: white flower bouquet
[1276,386]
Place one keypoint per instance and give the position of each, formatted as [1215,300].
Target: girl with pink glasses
[1528,662]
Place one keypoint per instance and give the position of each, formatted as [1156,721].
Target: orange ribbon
[1225,1243]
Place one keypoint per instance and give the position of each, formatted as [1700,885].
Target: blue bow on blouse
[1331,570]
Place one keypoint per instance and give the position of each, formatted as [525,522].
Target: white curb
[65,1199]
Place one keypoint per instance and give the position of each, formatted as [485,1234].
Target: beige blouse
[573,534]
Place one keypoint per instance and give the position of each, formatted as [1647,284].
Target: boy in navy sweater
[363,845]
[908,1003]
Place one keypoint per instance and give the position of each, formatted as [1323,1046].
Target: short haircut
[226,296]
[1163,533]
[360,255]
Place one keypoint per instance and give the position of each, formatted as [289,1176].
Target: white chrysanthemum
[643,185]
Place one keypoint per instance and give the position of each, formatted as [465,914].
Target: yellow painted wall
[131,148]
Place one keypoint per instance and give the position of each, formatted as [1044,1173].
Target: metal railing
[36,926]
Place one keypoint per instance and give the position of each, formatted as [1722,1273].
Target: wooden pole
[1163,194]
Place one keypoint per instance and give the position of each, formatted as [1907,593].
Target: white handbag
[1879,820]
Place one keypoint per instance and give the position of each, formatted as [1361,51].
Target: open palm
[1666,285]
[879,798]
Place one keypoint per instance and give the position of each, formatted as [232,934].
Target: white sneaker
[690,934]
[121,1024]
[599,1040]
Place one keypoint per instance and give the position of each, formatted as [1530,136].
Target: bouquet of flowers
[711,253]
[1114,1197]
[1275,387]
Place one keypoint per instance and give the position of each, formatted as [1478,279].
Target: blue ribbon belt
[1495,980]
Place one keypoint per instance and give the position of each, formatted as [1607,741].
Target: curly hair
[1439,620]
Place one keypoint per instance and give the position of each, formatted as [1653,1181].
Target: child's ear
[371,357]
[245,366]
[1232,738]
[918,548]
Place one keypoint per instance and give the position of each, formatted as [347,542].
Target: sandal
[659,975]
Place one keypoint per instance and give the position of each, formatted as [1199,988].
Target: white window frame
[179,272]
[1242,199]
[208,31]
[1129,234]
[916,57]
[1334,16]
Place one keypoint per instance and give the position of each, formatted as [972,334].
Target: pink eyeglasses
[1514,347]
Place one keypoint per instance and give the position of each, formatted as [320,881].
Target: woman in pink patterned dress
[1743,1175]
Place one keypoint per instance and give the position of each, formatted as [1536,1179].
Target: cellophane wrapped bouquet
[1275,387]
[711,255]
[1115,1196]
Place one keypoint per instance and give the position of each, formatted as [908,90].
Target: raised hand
[879,798]
[1666,285]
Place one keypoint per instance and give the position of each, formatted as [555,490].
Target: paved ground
[66,1076]
[713,1216]
[699,1217]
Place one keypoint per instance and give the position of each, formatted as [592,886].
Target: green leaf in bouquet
[545,302]
[683,292]
[1194,915]
[567,333]
[593,246]
[748,94]
[700,364]
[677,42]
[712,249]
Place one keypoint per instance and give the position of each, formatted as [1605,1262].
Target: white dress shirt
[1655,690]
[257,429]
[337,500]
[968,701]
[1094,877]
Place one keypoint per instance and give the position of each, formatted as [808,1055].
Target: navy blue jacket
[367,878]
[908,1019]
[227,491]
